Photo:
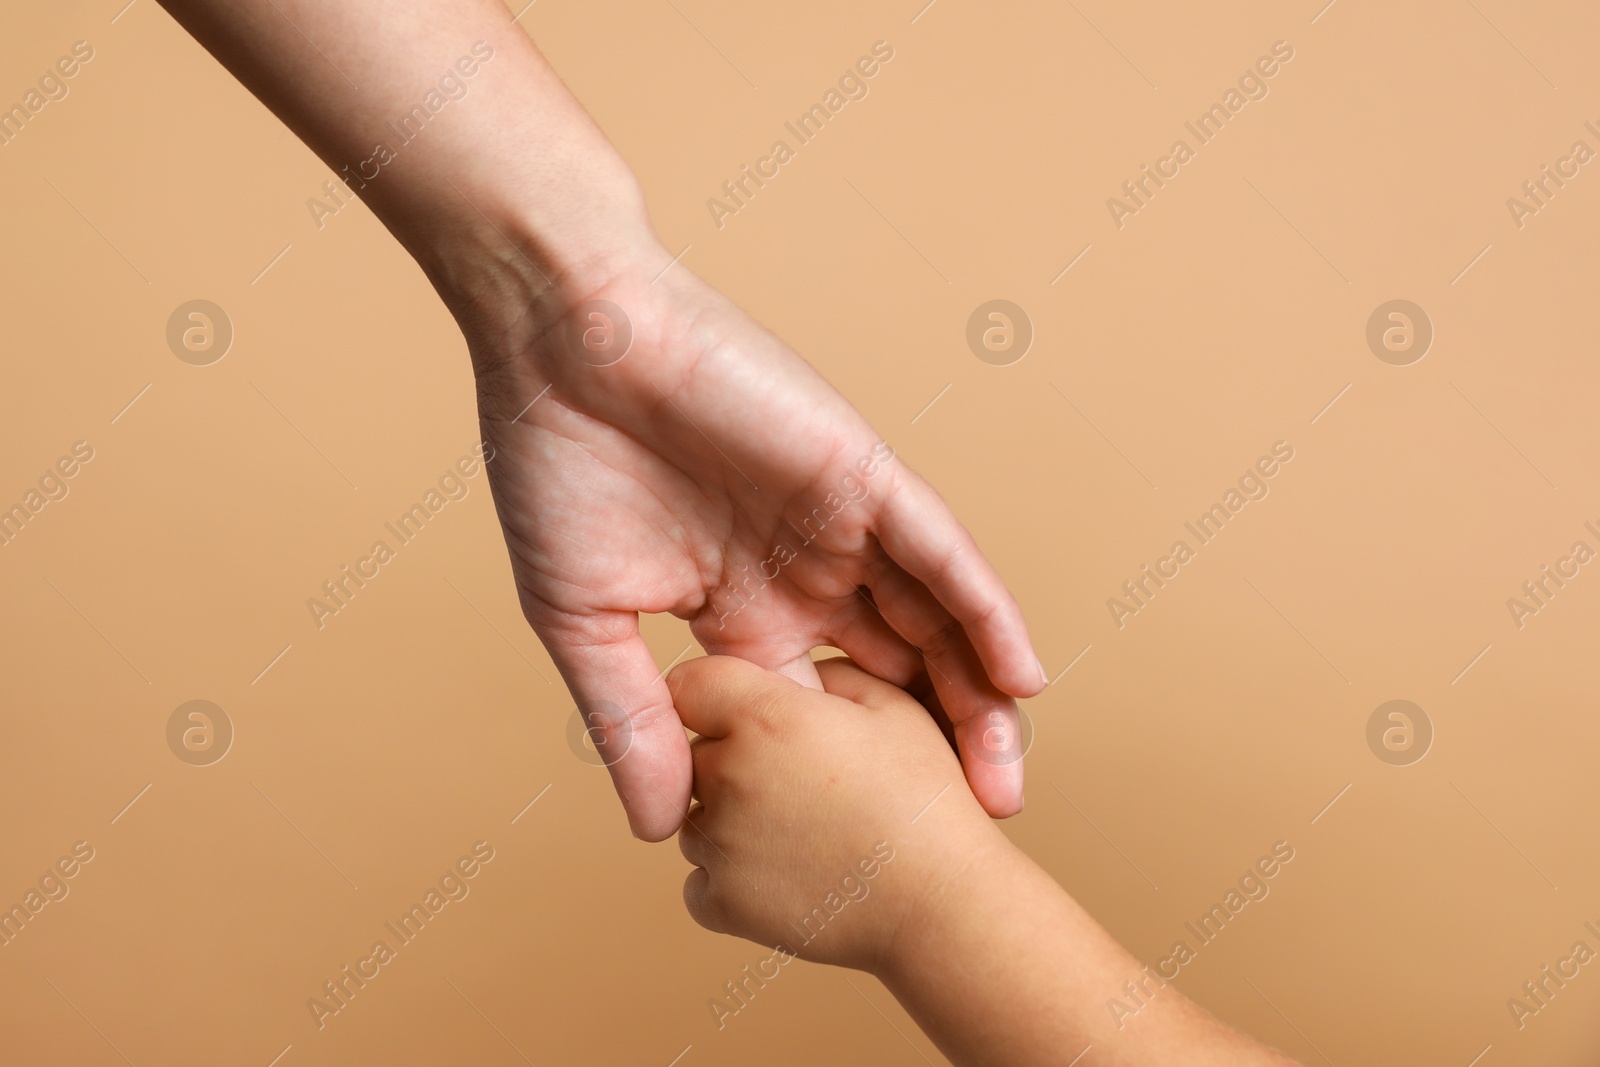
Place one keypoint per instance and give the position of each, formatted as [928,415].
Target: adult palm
[655,450]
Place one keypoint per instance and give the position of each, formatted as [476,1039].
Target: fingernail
[1043,677]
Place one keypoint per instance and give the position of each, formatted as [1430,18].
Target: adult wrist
[506,269]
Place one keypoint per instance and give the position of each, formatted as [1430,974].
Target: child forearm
[992,959]
[999,966]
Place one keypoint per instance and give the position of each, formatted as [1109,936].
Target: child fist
[823,819]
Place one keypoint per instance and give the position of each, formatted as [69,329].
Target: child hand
[823,819]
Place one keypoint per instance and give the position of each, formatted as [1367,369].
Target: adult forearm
[445,119]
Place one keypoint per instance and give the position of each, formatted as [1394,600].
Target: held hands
[658,451]
[655,449]
[832,826]
[825,821]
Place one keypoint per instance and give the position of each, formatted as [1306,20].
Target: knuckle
[993,609]
[704,903]
[949,555]
[653,715]
[690,847]
[772,714]
[682,678]
[694,892]
[944,639]
[722,785]
[710,773]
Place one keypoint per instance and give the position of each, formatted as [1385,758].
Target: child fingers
[692,839]
[847,678]
[700,894]
[714,774]
[698,786]
[697,898]
[714,693]
[862,633]
[800,669]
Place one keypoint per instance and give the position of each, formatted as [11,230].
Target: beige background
[1226,716]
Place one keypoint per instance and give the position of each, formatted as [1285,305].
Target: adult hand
[678,458]
[708,471]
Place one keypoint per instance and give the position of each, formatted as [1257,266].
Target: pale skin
[659,482]
[795,789]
